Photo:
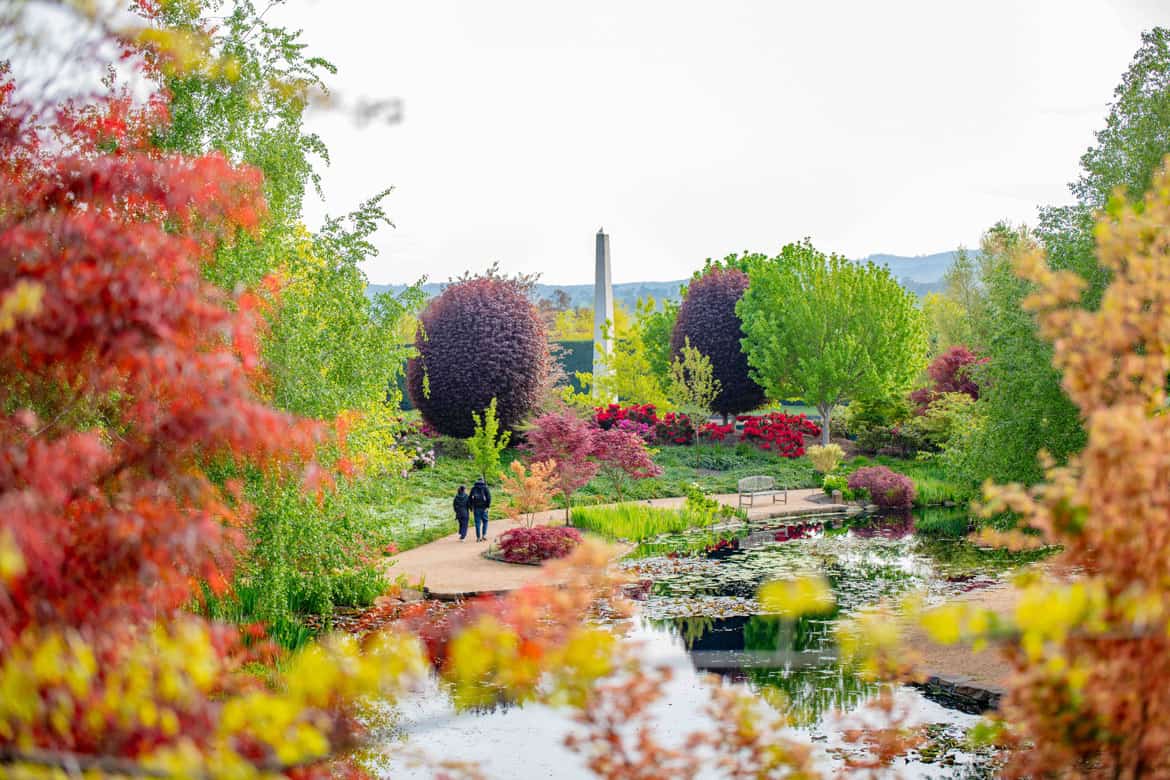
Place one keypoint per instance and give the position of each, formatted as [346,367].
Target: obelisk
[603,336]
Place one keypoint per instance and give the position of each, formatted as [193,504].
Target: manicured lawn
[715,468]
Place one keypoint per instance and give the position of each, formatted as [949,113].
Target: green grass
[942,523]
[636,522]
[715,468]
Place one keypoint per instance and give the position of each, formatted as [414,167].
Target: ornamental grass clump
[638,521]
[888,489]
[825,458]
[537,544]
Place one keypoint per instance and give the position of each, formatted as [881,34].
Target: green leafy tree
[693,386]
[329,351]
[629,375]
[953,315]
[256,117]
[330,347]
[1025,409]
[1022,408]
[488,442]
[826,329]
[655,324]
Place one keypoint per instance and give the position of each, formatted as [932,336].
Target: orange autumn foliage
[1091,695]
[530,490]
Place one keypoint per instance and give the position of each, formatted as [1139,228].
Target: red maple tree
[132,373]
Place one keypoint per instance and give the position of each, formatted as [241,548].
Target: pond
[698,614]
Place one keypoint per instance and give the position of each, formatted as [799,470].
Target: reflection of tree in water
[956,557]
[810,691]
[887,525]
[692,629]
[794,658]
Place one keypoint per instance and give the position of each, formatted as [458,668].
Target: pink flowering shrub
[537,544]
[888,489]
[643,431]
[613,415]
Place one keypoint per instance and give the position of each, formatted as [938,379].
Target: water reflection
[701,589]
[701,616]
[796,660]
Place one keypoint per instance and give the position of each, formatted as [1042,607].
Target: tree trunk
[825,410]
[568,517]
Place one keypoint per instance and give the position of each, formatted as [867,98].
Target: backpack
[480,498]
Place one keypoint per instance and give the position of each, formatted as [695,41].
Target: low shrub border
[537,544]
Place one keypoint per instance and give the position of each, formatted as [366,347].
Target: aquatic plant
[638,521]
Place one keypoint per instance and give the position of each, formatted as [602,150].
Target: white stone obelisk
[603,337]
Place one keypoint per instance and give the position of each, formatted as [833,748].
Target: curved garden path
[451,569]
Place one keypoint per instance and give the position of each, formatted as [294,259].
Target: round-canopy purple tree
[707,317]
[480,339]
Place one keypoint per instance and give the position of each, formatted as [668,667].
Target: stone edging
[499,558]
[960,694]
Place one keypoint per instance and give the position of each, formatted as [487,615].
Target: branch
[75,764]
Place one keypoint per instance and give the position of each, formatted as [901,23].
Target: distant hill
[920,275]
[927,269]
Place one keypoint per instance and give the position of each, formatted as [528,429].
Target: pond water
[699,615]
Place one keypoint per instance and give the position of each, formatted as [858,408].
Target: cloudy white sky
[692,129]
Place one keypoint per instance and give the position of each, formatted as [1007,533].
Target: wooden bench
[752,487]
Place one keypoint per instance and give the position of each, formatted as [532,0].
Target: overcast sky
[691,130]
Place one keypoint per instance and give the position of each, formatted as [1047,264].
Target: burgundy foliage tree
[581,450]
[570,441]
[537,544]
[888,489]
[951,372]
[623,457]
[481,339]
[707,317]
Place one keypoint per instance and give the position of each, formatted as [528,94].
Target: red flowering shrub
[481,339]
[707,318]
[888,489]
[781,433]
[675,428]
[712,432]
[609,416]
[539,543]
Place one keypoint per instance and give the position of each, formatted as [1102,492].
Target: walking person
[462,503]
[480,499]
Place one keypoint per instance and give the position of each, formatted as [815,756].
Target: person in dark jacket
[480,500]
[462,502]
